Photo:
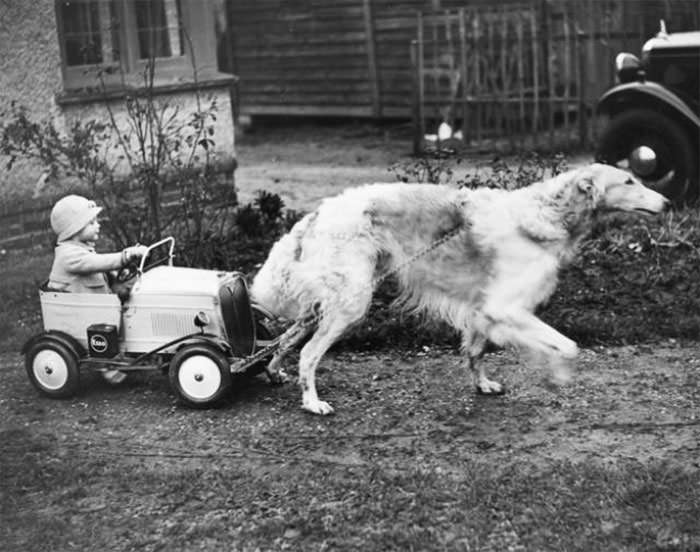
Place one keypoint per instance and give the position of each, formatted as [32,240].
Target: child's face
[90,232]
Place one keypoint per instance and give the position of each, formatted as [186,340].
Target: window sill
[164,85]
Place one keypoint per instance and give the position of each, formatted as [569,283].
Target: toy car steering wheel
[127,272]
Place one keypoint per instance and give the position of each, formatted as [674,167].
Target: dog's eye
[629,182]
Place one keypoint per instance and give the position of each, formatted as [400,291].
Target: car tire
[670,143]
[261,334]
[200,375]
[53,369]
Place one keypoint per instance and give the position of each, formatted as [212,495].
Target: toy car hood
[175,280]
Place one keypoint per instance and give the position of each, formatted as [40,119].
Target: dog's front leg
[523,329]
[473,345]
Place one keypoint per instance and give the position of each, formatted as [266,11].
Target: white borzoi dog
[496,259]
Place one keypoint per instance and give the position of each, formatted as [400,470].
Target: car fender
[207,339]
[56,336]
[653,91]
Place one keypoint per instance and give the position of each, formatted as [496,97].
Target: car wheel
[53,369]
[650,145]
[200,375]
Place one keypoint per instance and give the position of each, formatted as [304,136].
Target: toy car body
[654,113]
[196,324]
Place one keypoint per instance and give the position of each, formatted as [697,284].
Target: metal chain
[272,347]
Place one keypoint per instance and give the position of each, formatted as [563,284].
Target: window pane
[159,29]
[89,31]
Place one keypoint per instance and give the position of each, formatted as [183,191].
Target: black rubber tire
[261,333]
[238,316]
[186,383]
[669,140]
[67,383]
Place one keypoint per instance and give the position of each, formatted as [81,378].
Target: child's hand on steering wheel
[134,252]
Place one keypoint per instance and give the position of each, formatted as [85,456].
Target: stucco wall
[30,75]
[30,64]
[181,104]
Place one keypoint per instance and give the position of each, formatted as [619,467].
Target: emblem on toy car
[98,343]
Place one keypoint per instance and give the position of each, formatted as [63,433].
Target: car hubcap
[199,377]
[50,369]
[642,161]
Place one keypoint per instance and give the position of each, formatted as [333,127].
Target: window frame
[128,71]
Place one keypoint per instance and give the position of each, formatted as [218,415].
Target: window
[158,28]
[110,41]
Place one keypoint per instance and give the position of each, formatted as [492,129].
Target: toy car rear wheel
[53,369]
[200,375]
[651,144]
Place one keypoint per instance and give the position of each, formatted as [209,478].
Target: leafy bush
[155,172]
[257,226]
[502,173]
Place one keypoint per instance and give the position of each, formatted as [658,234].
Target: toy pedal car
[195,324]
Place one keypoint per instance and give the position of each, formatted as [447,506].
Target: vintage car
[198,325]
[653,113]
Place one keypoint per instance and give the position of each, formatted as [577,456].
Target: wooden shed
[353,57]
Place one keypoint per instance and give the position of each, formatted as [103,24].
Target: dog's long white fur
[486,281]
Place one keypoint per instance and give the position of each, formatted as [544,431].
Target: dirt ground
[124,468]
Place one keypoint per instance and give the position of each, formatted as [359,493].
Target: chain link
[314,319]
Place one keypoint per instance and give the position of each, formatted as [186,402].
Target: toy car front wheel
[200,375]
[650,144]
[53,369]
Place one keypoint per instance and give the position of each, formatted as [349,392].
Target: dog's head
[610,188]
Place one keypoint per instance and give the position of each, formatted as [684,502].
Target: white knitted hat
[71,214]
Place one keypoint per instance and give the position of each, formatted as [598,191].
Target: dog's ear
[586,185]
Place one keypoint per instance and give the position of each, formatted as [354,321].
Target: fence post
[583,92]
[466,134]
[372,59]
[417,111]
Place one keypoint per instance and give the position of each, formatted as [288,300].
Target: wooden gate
[508,77]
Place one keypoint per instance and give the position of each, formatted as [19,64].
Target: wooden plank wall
[352,57]
[302,57]
[317,57]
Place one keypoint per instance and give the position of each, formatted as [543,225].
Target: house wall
[30,76]
[30,64]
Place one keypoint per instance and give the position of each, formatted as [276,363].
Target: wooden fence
[518,76]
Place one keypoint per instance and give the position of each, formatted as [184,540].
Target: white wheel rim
[50,369]
[199,377]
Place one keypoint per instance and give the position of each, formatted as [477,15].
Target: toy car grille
[238,316]
[170,324]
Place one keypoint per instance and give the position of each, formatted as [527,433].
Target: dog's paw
[568,349]
[317,407]
[278,377]
[489,387]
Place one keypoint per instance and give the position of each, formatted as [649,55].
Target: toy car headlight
[627,67]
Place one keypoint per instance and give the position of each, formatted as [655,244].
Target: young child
[76,266]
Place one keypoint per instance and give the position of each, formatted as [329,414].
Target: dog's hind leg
[473,345]
[335,320]
[290,339]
